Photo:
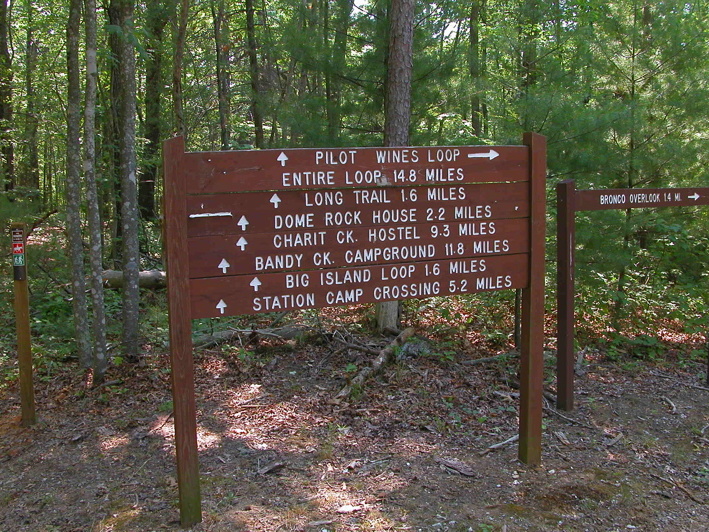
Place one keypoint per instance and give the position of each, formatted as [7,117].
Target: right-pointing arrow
[484,155]
[694,196]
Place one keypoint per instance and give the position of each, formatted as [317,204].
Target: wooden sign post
[569,202]
[278,230]
[22,324]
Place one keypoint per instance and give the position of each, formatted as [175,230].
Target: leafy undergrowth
[409,451]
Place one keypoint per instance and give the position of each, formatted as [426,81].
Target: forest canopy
[618,88]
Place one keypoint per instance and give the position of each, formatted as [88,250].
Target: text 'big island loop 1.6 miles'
[292,229]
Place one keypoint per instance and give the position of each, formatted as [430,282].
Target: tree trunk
[100,355]
[7,164]
[336,70]
[129,189]
[397,107]
[178,58]
[222,48]
[156,20]
[31,174]
[254,70]
[73,187]
[477,70]
[529,33]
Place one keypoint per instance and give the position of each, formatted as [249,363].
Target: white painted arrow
[223,265]
[484,155]
[242,243]
[255,283]
[243,222]
[694,196]
[282,158]
[221,306]
[275,200]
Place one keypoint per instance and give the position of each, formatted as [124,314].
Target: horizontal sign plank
[633,198]
[251,212]
[276,292]
[301,169]
[218,256]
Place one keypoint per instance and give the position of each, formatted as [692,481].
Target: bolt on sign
[279,230]
[569,202]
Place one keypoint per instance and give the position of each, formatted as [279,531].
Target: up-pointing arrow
[275,200]
[242,243]
[694,196]
[223,265]
[255,283]
[243,222]
[484,155]
[221,306]
[282,158]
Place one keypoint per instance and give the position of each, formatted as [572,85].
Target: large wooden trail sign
[277,230]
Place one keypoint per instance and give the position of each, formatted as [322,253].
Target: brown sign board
[285,291]
[258,212]
[303,169]
[634,198]
[226,255]
[277,230]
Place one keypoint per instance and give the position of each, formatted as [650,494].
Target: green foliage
[641,347]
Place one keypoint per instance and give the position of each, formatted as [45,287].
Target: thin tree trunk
[7,165]
[254,70]
[178,59]
[100,355]
[477,69]
[31,177]
[397,107]
[222,48]
[73,186]
[157,18]
[336,69]
[129,187]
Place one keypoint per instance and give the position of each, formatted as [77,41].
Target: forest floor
[278,451]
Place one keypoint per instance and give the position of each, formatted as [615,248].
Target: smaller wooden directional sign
[632,198]
[570,201]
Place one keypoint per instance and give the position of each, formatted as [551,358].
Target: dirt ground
[409,452]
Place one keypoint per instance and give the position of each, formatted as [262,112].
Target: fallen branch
[363,348]
[672,405]
[500,445]
[149,279]
[673,482]
[289,332]
[496,358]
[384,357]
[566,418]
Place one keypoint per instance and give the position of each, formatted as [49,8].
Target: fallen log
[385,356]
[149,279]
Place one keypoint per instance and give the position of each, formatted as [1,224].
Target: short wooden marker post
[22,322]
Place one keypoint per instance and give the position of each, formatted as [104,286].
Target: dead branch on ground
[384,357]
